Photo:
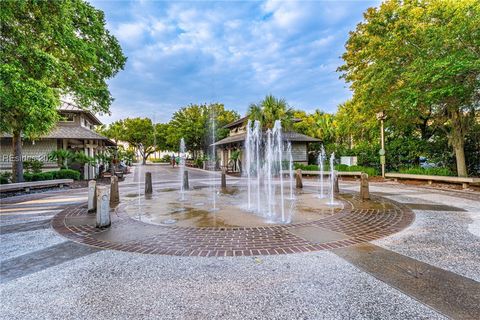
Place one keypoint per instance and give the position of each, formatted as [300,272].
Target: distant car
[424,163]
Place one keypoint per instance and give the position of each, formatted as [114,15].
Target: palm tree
[62,156]
[270,109]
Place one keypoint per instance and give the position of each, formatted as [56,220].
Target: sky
[235,53]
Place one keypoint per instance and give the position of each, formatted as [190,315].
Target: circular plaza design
[203,233]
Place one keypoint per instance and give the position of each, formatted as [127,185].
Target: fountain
[320,162]
[332,180]
[290,170]
[272,158]
[278,151]
[213,163]
[266,196]
[181,165]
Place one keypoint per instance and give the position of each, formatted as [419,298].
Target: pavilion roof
[288,136]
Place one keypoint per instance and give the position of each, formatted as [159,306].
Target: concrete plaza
[428,270]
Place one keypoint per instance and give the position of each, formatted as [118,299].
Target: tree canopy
[52,49]
[194,124]
[419,60]
[270,109]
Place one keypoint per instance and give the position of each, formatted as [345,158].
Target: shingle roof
[288,136]
[236,122]
[71,132]
[70,107]
[245,119]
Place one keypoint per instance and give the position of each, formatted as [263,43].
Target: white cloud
[130,33]
[192,52]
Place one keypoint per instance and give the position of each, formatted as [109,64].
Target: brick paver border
[358,224]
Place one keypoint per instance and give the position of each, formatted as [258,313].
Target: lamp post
[382,116]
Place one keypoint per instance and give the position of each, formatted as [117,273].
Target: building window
[69,117]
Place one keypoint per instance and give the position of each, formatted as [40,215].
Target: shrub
[428,171]
[199,162]
[38,176]
[5,177]
[339,167]
[51,175]
[368,170]
[33,166]
[67,174]
[304,167]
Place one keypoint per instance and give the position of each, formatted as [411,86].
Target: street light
[382,116]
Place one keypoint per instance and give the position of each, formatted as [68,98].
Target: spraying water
[256,138]
[332,179]
[277,132]
[181,164]
[248,161]
[269,173]
[213,163]
[290,169]
[139,186]
[320,162]
[264,157]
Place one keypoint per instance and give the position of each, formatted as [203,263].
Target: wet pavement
[429,270]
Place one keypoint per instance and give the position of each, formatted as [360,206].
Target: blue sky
[229,52]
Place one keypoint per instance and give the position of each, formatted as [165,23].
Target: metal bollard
[364,192]
[298,179]
[148,183]
[224,179]
[336,188]
[103,207]
[185,180]
[114,195]
[92,195]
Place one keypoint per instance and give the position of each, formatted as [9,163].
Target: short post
[298,179]
[103,207]
[336,189]
[114,195]
[224,178]
[185,180]
[92,195]
[464,185]
[148,183]
[364,192]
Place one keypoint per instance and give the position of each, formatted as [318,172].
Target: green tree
[419,60]
[114,130]
[271,109]
[52,49]
[62,156]
[139,133]
[194,124]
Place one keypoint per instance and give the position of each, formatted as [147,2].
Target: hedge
[339,167]
[51,175]
[428,171]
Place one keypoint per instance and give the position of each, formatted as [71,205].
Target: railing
[26,186]
[465,181]
[327,173]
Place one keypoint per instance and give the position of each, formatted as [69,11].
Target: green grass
[428,171]
[339,167]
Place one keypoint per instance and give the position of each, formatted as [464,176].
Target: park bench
[327,173]
[26,186]
[465,181]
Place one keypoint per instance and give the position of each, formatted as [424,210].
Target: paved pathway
[45,276]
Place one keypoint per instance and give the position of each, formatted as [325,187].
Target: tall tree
[420,61]
[271,109]
[194,124]
[114,130]
[51,49]
[139,133]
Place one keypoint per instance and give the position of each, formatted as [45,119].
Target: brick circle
[357,221]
